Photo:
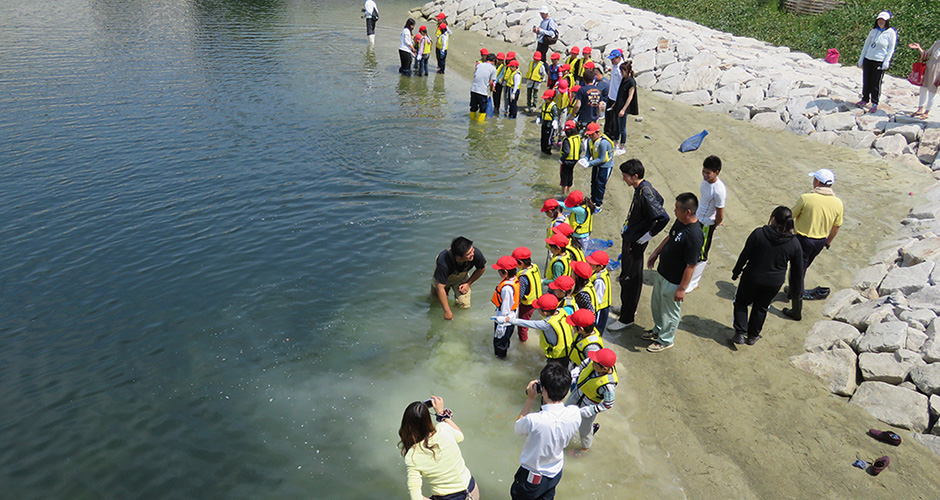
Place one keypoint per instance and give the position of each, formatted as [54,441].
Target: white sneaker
[619,151]
[617,325]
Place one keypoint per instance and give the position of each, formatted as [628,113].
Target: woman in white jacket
[875,59]
[931,78]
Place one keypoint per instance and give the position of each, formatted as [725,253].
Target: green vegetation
[844,28]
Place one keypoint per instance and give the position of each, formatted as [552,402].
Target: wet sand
[705,419]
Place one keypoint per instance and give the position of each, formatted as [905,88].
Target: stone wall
[749,79]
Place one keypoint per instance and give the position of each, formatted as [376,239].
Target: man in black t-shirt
[588,101]
[451,271]
[680,253]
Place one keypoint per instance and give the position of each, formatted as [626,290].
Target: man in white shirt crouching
[547,433]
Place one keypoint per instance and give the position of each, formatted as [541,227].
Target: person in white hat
[817,217]
[876,58]
[547,32]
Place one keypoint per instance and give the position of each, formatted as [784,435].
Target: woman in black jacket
[762,266]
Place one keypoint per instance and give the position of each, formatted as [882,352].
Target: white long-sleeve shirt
[879,46]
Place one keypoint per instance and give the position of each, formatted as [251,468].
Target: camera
[428,403]
[538,388]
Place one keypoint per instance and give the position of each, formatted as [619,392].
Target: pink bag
[916,77]
[832,56]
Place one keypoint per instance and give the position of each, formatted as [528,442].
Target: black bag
[550,40]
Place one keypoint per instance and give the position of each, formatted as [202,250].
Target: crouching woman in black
[762,267]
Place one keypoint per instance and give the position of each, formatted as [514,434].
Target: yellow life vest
[441,39]
[592,293]
[577,69]
[577,354]
[500,73]
[574,149]
[426,44]
[565,335]
[604,275]
[570,77]
[575,254]
[534,74]
[584,227]
[595,147]
[547,115]
[568,303]
[497,299]
[562,99]
[511,76]
[589,382]
[565,259]
[535,284]
[571,59]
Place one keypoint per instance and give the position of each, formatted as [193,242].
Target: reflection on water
[220,219]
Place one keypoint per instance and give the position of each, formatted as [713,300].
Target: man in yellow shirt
[817,219]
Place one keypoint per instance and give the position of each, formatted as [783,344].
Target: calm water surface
[219,223]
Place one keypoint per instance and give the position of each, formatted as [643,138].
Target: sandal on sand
[879,465]
[885,436]
[649,335]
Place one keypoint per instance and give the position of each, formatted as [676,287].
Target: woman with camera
[431,452]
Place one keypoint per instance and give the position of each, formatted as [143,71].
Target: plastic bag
[692,143]
[917,74]
[595,244]
[832,56]
[489,106]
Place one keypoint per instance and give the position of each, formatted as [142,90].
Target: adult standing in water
[432,452]
[452,270]
[371,13]
[483,77]
[876,58]
[547,32]
[406,48]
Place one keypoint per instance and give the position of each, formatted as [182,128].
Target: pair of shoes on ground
[656,345]
[740,339]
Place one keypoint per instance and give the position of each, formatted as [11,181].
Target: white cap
[824,176]
[884,15]
[544,9]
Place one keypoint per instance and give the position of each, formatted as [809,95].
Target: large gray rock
[825,334]
[751,96]
[644,62]
[916,339]
[893,405]
[646,80]
[910,132]
[930,441]
[741,113]
[918,318]
[890,145]
[927,378]
[926,298]
[890,367]
[839,301]
[929,145]
[697,98]
[869,277]
[855,139]
[919,229]
[921,251]
[700,77]
[883,337]
[736,74]
[836,367]
[836,122]
[769,120]
[872,122]
[800,125]
[934,405]
[906,280]
[865,313]
[824,137]
[929,211]
[728,93]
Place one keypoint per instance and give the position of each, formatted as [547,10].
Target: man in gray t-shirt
[483,77]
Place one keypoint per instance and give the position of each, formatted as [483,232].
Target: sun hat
[574,199]
[563,86]
[505,263]
[522,253]
[884,15]
[582,269]
[555,56]
[500,56]
[586,50]
[576,88]
[575,50]
[510,55]
[418,37]
[570,124]
[559,240]
[484,51]
[442,26]
[514,63]
[548,94]
[589,65]
[565,67]
[824,176]
[550,204]
[546,302]
[441,16]
[615,54]
[605,357]
[597,258]
[537,56]
[582,318]
[563,229]
[563,283]
[423,28]
[592,128]
[544,9]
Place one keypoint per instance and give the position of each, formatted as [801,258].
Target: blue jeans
[599,178]
[441,60]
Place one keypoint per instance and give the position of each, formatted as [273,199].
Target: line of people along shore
[573,297]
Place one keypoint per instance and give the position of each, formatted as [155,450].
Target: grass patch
[844,28]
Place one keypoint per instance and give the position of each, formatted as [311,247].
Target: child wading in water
[506,300]
[530,286]
[548,118]
[570,154]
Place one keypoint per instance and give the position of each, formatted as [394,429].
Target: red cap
[514,63]
[582,269]
[537,56]
[598,258]
[586,50]
[546,302]
[592,128]
[548,93]
[575,50]
[589,65]
[563,86]
[550,204]
[505,263]
[564,67]
[559,240]
[564,229]
[418,37]
[522,253]
[555,56]
[574,199]
[582,317]
[441,16]
[563,283]
[570,124]
[442,26]
[423,28]
[576,88]
[604,357]
[500,56]
[484,51]
[510,55]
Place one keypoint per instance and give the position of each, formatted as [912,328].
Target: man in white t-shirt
[711,211]
[483,77]
[547,433]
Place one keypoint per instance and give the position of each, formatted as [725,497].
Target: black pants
[478,102]
[513,106]
[405,68]
[709,237]
[441,60]
[760,298]
[370,26]
[497,97]
[611,124]
[871,81]
[542,48]
[631,280]
[811,248]
[547,137]
[522,489]
[501,342]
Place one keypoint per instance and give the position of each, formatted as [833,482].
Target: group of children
[572,299]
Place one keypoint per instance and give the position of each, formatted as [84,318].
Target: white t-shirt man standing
[711,211]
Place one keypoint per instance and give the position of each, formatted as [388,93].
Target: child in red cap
[601,282]
[585,297]
[596,381]
[581,217]
[570,154]
[574,248]
[513,83]
[586,337]
[443,37]
[530,286]
[557,338]
[583,64]
[560,264]
[553,69]
[534,76]
[499,82]
[563,288]
[553,210]
[423,45]
[548,118]
[506,300]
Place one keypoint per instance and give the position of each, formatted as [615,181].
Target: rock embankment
[751,80]
[885,330]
